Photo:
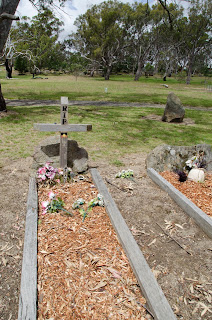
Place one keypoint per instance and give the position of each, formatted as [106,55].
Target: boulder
[174,111]
[49,149]
[168,157]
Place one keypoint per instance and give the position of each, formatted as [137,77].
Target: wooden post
[64,137]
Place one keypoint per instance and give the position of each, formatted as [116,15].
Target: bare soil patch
[186,121]
[6,114]
[185,278]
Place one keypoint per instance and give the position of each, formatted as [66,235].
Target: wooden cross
[63,128]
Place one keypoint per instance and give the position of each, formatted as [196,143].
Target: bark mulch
[199,193]
[83,272]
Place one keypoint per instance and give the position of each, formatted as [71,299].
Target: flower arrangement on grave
[125,174]
[98,201]
[192,169]
[197,161]
[50,175]
[53,205]
[46,173]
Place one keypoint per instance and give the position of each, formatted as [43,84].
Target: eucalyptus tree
[7,11]
[100,34]
[38,38]
[139,36]
[196,33]
[167,38]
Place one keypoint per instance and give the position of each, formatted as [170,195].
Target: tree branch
[8,16]
[167,10]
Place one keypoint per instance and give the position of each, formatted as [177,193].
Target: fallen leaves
[198,295]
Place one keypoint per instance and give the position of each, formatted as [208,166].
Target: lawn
[116,131]
[119,88]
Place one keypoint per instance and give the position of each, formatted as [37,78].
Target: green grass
[119,88]
[116,131]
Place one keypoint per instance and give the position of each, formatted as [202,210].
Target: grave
[156,300]
[169,158]
[155,297]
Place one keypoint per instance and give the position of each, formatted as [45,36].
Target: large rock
[168,157]
[49,149]
[174,111]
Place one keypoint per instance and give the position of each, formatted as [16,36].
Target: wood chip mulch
[199,193]
[83,272]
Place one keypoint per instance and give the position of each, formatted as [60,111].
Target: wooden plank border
[156,300]
[28,291]
[200,217]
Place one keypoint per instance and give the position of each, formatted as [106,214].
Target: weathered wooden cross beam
[63,128]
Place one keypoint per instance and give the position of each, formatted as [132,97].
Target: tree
[39,37]
[100,35]
[167,38]
[139,35]
[196,32]
[7,11]
[21,64]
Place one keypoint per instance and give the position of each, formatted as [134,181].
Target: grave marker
[63,128]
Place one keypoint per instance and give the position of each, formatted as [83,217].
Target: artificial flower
[51,195]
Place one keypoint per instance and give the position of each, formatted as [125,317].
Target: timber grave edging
[200,217]
[150,289]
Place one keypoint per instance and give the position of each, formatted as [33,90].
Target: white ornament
[196,175]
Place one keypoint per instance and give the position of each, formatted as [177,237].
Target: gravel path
[92,103]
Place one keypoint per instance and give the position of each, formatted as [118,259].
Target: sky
[72,10]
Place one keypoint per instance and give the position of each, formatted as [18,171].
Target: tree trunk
[139,71]
[2,102]
[9,69]
[189,72]
[108,71]
[8,6]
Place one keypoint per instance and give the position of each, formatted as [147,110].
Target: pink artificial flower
[42,171]
[51,195]
[50,175]
[60,171]
[47,165]
[44,212]
[44,204]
